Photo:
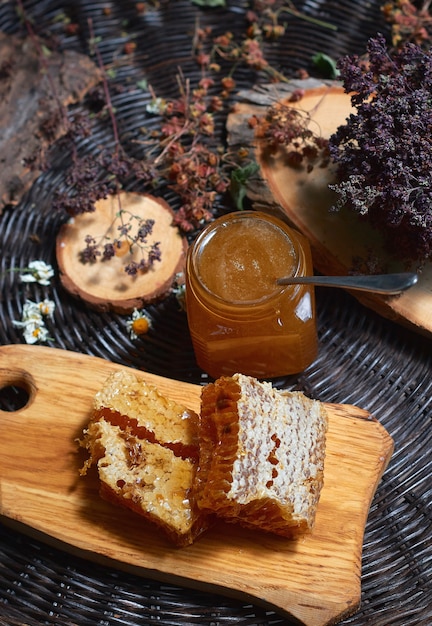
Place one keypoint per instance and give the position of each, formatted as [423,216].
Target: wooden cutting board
[315,579]
[338,239]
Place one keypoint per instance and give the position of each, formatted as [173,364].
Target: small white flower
[47,307]
[35,333]
[138,324]
[31,312]
[38,272]
[157,106]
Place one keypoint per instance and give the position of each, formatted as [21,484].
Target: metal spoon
[390,284]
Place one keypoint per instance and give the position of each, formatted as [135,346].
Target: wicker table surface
[363,359]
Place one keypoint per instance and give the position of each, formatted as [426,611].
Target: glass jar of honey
[240,320]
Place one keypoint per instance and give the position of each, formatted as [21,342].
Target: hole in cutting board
[13,398]
[16,390]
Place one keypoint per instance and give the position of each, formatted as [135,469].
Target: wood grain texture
[106,285]
[338,239]
[315,579]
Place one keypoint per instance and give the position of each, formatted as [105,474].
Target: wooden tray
[316,579]
[337,239]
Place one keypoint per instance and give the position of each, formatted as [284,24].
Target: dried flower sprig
[264,25]
[106,248]
[283,125]
[266,17]
[185,154]
[384,151]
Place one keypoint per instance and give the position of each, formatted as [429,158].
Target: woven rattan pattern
[363,359]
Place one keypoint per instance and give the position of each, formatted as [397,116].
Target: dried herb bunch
[284,126]
[383,153]
[184,151]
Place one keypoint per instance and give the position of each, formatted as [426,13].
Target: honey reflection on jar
[239,319]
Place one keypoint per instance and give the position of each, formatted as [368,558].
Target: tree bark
[36,87]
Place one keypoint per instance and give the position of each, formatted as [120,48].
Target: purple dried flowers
[106,248]
[384,151]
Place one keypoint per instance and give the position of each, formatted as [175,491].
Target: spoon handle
[390,284]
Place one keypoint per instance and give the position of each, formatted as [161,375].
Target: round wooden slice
[105,284]
[338,239]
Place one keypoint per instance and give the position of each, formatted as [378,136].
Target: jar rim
[210,230]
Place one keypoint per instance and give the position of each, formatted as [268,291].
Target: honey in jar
[239,319]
